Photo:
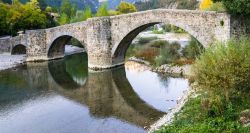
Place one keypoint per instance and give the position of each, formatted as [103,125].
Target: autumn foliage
[205,4]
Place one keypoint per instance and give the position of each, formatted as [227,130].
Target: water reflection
[61,96]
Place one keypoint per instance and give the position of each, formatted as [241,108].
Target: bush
[148,54]
[168,54]
[224,70]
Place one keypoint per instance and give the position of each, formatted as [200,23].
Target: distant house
[55,16]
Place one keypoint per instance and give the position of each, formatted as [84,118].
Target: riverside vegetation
[158,52]
[222,82]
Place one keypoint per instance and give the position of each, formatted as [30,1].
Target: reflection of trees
[164,78]
[67,70]
[77,67]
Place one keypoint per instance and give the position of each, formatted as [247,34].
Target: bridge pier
[99,43]
[36,45]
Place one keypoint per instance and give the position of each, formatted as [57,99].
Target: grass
[194,119]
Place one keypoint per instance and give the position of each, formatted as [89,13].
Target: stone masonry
[106,39]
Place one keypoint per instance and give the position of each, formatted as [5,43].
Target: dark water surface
[61,96]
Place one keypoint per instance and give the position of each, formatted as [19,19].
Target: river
[61,96]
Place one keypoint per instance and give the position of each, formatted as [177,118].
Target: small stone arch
[56,48]
[18,49]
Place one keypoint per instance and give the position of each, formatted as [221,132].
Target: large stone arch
[18,49]
[206,27]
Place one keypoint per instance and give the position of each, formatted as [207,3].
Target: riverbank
[172,70]
[8,61]
[192,117]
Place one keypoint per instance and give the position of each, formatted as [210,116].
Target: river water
[61,96]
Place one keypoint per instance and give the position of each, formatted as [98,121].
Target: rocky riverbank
[173,70]
[184,70]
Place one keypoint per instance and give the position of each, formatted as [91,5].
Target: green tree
[102,11]
[125,7]
[67,8]
[63,19]
[18,16]
[87,13]
[236,6]
[33,17]
[82,15]
[4,26]
[42,4]
[48,9]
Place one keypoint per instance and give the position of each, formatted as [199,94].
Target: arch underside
[18,50]
[57,47]
[119,53]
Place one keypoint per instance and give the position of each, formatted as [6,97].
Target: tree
[87,13]
[66,8]
[82,15]
[42,4]
[48,9]
[63,19]
[33,17]
[236,6]
[126,7]
[4,26]
[18,16]
[102,11]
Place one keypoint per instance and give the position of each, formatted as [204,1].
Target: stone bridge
[106,39]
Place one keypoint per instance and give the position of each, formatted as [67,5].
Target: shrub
[148,54]
[168,54]
[224,70]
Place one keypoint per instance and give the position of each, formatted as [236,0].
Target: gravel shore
[9,61]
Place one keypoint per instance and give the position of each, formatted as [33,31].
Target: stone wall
[239,26]
[5,46]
